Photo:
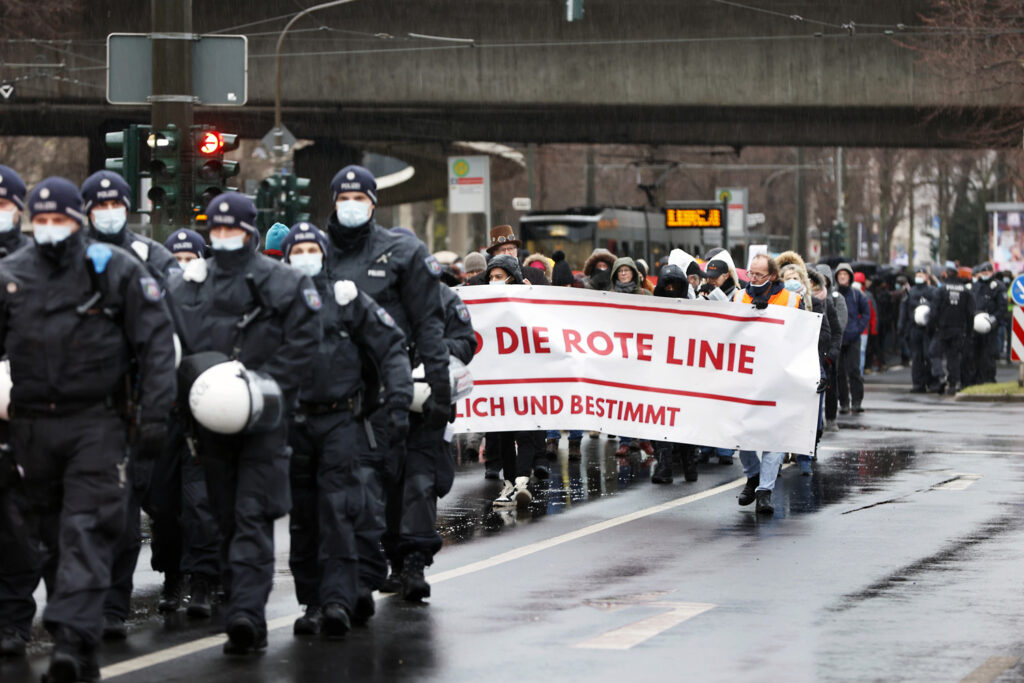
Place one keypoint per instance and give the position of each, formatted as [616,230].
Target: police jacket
[954,311]
[282,339]
[917,295]
[989,297]
[858,311]
[155,256]
[356,331]
[397,272]
[69,351]
[11,241]
[458,327]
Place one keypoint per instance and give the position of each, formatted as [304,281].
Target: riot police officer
[186,245]
[17,580]
[262,315]
[950,324]
[73,314]
[399,274]
[989,302]
[915,310]
[327,433]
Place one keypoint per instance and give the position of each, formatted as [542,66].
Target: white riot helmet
[982,323]
[458,375]
[228,399]
[921,315]
[5,389]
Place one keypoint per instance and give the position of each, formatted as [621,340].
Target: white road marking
[990,670]
[960,482]
[633,634]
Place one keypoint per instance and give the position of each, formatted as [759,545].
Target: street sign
[1017,339]
[1017,290]
[219,69]
[522,203]
[288,140]
[469,184]
[6,91]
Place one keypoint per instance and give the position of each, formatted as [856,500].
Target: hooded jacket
[857,306]
[588,268]
[541,259]
[627,262]
[673,276]
[834,296]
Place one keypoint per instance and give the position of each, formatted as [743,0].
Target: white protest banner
[700,372]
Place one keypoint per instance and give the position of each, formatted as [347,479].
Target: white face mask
[233,243]
[352,213]
[50,234]
[498,282]
[6,221]
[307,264]
[109,221]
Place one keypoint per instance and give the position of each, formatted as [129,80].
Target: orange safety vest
[783,298]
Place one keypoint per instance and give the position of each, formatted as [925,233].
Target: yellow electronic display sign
[693,218]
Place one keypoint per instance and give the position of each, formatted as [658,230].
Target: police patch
[463,312]
[312,298]
[433,266]
[150,289]
[385,317]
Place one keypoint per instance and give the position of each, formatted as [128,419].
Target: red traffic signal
[211,143]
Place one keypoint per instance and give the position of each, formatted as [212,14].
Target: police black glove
[706,288]
[151,439]
[761,304]
[398,426]
[822,385]
[437,407]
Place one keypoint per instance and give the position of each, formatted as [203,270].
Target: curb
[990,398]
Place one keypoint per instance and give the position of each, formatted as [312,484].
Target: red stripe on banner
[621,385]
[626,307]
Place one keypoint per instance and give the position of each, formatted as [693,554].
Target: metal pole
[172,98]
[800,217]
[278,133]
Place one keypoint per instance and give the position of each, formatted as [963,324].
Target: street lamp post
[278,129]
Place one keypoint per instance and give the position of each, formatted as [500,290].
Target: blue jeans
[767,466]
[574,434]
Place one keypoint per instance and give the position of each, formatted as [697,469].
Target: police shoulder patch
[433,266]
[385,317]
[463,312]
[150,289]
[312,299]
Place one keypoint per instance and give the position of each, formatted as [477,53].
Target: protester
[597,269]
[851,384]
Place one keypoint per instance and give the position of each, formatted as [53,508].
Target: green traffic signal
[164,167]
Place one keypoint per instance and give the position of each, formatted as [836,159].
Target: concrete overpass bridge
[704,72]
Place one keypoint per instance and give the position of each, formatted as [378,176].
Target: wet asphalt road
[900,558]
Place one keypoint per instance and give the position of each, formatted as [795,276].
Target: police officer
[17,580]
[185,246]
[989,300]
[913,325]
[400,275]
[107,199]
[262,315]
[952,320]
[360,339]
[72,315]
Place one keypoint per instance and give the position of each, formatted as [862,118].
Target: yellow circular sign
[724,196]
[460,167]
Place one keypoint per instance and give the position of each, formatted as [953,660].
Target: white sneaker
[521,493]
[505,499]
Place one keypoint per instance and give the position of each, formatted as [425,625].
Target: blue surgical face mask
[793,285]
[110,221]
[233,243]
[7,220]
[352,213]
[50,234]
[307,264]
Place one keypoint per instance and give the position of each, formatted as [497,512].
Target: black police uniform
[247,473]
[70,355]
[990,298]
[950,323]
[11,241]
[327,434]
[918,337]
[402,277]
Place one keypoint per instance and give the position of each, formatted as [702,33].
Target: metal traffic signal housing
[211,169]
[297,203]
[270,201]
[164,169]
[133,162]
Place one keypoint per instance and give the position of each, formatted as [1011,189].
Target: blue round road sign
[1017,290]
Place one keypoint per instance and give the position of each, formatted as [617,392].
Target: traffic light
[837,238]
[211,169]
[164,168]
[133,163]
[296,203]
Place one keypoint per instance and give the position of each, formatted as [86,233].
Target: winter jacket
[627,262]
[588,268]
[859,313]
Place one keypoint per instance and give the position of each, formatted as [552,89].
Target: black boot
[336,622]
[244,637]
[393,583]
[690,463]
[72,660]
[551,449]
[764,503]
[199,603]
[364,608]
[309,623]
[12,643]
[114,628]
[574,450]
[662,473]
[414,585]
[747,494]
[170,596]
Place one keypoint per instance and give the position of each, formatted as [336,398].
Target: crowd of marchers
[221,383]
